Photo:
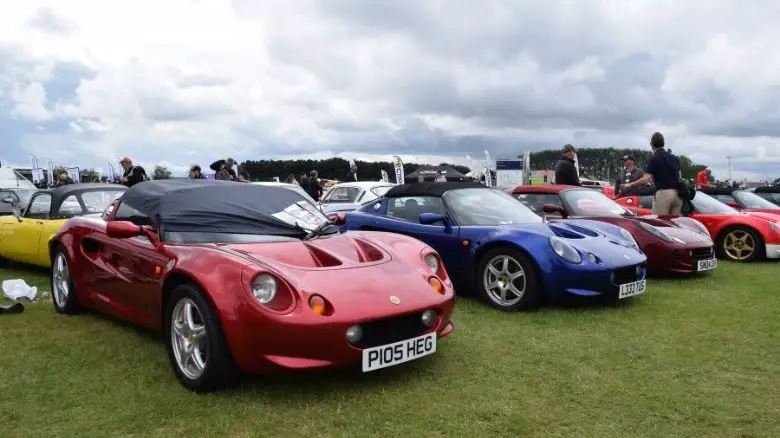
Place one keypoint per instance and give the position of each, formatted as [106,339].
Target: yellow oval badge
[395,300]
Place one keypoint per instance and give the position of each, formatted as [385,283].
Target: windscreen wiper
[319,231]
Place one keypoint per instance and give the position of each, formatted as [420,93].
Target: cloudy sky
[84,82]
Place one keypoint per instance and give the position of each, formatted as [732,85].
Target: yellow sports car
[25,235]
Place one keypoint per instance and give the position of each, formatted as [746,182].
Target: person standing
[566,170]
[663,171]
[133,174]
[630,172]
[703,178]
[314,187]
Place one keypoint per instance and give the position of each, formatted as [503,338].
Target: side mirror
[432,218]
[8,200]
[122,230]
[338,218]
[554,209]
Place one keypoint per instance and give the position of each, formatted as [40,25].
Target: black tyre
[63,289]
[195,342]
[506,279]
[740,244]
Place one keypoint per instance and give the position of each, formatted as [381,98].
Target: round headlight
[628,236]
[592,258]
[428,318]
[433,262]
[354,334]
[264,288]
[564,250]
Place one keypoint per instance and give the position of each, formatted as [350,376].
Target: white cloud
[430,80]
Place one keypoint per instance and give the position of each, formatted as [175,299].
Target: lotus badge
[395,300]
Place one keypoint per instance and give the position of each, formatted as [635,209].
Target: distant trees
[333,168]
[161,172]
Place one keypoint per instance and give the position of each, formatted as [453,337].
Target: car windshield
[706,204]
[751,200]
[97,201]
[488,207]
[584,202]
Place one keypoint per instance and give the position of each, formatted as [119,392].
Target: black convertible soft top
[430,188]
[193,205]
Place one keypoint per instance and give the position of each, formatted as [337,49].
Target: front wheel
[63,288]
[740,244]
[195,342]
[507,280]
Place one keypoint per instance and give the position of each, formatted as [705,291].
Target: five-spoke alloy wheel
[506,279]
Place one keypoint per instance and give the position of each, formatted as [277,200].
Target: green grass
[693,357]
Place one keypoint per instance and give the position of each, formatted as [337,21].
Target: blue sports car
[500,249]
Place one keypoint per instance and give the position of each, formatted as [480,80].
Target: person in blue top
[663,171]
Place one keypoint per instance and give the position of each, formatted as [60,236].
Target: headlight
[565,250]
[655,231]
[433,262]
[264,288]
[629,237]
[700,226]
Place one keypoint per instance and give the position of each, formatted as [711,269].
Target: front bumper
[263,343]
[679,259]
[589,282]
[773,251]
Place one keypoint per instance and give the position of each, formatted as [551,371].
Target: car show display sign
[38,175]
[74,174]
[509,172]
[385,177]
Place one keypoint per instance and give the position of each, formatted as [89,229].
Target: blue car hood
[603,240]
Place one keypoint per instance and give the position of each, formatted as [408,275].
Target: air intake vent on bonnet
[368,252]
[565,232]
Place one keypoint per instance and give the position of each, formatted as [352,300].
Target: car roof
[431,188]
[545,188]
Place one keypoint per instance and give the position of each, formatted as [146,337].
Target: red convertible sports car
[738,236]
[673,245]
[254,279]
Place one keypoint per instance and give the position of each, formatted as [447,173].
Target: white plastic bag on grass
[15,289]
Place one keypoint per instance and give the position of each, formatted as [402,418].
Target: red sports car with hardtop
[252,279]
[738,236]
[672,245]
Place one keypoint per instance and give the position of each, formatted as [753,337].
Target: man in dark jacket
[314,187]
[133,174]
[565,170]
[629,173]
[196,173]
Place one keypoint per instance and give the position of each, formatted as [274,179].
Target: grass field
[693,357]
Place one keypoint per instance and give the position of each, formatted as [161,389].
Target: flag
[489,164]
[398,167]
[488,177]
[468,159]
[385,178]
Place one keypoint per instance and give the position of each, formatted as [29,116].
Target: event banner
[509,172]
[51,173]
[385,177]
[74,174]
[398,166]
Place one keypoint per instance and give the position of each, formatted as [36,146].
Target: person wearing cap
[565,170]
[630,172]
[703,178]
[663,171]
[133,174]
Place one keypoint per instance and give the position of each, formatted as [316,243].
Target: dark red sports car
[738,236]
[251,278]
[678,245]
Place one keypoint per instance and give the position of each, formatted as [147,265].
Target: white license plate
[707,265]
[388,355]
[631,289]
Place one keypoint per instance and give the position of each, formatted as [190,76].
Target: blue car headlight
[565,250]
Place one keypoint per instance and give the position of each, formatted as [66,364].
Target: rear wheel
[740,244]
[63,289]
[195,342]
[507,280]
